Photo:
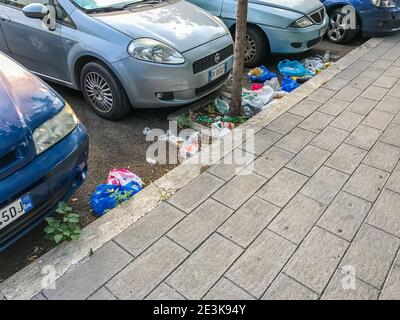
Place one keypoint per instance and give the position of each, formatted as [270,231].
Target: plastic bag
[260,74]
[108,196]
[288,85]
[220,129]
[222,106]
[317,63]
[171,138]
[248,111]
[327,57]
[292,69]
[259,98]
[123,177]
[120,186]
[274,84]
[256,86]
[313,65]
[190,147]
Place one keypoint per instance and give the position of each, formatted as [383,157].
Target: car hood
[179,24]
[25,103]
[300,6]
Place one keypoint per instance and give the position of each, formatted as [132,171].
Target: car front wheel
[103,91]
[256,48]
[339,30]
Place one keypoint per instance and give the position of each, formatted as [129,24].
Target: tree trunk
[238,65]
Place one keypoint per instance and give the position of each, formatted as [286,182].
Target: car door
[3,44]
[31,42]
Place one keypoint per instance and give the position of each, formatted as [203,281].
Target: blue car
[371,17]
[43,151]
[274,26]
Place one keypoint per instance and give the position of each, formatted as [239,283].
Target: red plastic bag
[256,86]
[122,177]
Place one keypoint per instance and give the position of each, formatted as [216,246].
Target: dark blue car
[372,18]
[43,151]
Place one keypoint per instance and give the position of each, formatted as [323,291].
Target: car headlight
[303,22]
[384,3]
[154,51]
[54,129]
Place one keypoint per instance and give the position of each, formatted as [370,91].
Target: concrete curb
[26,283]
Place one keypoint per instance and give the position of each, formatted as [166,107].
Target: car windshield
[100,5]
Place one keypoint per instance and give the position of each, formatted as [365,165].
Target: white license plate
[15,210]
[323,31]
[217,72]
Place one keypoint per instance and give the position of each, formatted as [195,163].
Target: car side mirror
[35,11]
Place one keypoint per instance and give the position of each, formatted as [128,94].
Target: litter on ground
[120,186]
[190,146]
[265,90]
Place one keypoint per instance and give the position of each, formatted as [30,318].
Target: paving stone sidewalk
[320,202]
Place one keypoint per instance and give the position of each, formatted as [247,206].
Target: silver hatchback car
[120,53]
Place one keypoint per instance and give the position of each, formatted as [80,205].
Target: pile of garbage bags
[266,88]
[120,186]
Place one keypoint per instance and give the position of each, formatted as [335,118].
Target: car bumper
[291,40]
[380,21]
[178,83]
[52,177]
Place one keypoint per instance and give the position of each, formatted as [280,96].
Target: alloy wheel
[99,92]
[337,27]
[251,49]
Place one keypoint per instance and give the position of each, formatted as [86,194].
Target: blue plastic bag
[288,85]
[290,68]
[109,196]
[261,74]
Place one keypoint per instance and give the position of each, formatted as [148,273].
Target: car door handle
[4,17]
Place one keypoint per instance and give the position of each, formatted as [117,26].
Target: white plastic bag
[171,138]
[274,84]
[218,130]
[258,99]
[313,64]
[190,146]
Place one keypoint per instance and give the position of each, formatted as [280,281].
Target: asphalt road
[118,144]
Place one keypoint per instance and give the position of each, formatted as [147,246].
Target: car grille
[318,16]
[13,160]
[212,59]
[5,160]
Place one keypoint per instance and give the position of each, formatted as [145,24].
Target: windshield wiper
[136,3]
[104,9]
[119,8]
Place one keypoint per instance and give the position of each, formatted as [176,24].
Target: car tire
[257,48]
[336,33]
[103,91]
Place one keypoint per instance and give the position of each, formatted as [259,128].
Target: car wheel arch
[334,7]
[85,59]
[233,28]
